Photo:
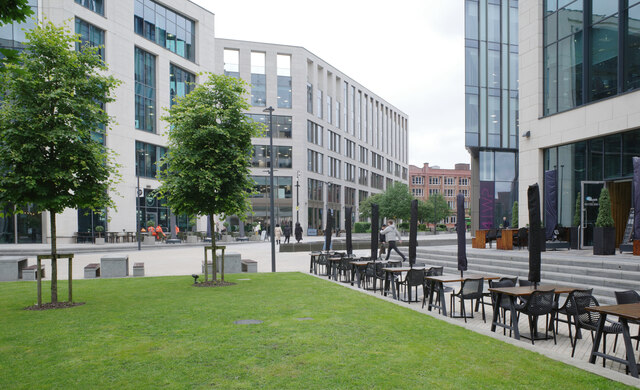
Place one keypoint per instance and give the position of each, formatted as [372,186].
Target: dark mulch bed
[59,305]
[217,283]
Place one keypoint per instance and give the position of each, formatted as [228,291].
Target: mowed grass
[162,332]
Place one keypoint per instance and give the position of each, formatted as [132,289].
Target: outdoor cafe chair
[381,276]
[321,261]
[588,320]
[471,289]
[630,296]
[344,268]
[413,278]
[489,295]
[539,303]
[369,275]
[492,235]
[433,271]
[567,310]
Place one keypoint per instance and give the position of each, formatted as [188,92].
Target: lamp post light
[298,198]
[271,196]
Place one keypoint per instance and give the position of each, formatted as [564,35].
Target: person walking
[298,232]
[287,232]
[391,233]
[278,233]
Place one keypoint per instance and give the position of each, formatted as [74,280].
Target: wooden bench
[138,269]
[92,271]
[249,266]
[31,272]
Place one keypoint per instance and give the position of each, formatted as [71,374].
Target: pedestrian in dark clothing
[391,234]
[287,232]
[298,232]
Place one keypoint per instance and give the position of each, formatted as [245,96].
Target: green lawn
[162,332]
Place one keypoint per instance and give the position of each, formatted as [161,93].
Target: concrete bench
[174,241]
[249,266]
[92,271]
[138,269]
[114,266]
[232,263]
[242,238]
[11,267]
[31,272]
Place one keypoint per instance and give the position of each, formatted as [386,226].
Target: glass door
[590,192]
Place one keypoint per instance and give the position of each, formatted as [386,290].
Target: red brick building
[428,180]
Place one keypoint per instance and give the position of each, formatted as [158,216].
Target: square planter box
[100,240]
[573,237]
[149,240]
[192,239]
[604,241]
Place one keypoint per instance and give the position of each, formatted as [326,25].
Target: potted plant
[99,229]
[573,230]
[150,239]
[604,233]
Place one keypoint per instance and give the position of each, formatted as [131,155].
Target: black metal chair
[588,320]
[321,261]
[567,310]
[471,289]
[433,271]
[381,276]
[413,278]
[539,303]
[630,296]
[523,237]
[492,235]
[344,269]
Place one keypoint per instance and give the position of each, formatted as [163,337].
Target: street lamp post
[298,198]
[271,196]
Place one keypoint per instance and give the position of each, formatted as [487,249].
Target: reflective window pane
[604,59]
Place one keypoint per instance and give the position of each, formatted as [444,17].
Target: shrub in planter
[99,229]
[362,227]
[422,227]
[604,234]
[573,230]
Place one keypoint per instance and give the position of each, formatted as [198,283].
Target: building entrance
[590,192]
[620,193]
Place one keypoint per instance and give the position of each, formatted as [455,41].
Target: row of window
[281,124]
[419,180]
[590,51]
[387,131]
[261,156]
[231,58]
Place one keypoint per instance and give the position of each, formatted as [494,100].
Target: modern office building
[491,108]
[427,181]
[335,141]
[342,137]
[580,105]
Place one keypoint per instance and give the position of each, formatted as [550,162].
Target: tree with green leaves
[425,210]
[13,11]
[209,154]
[51,105]
[514,215]
[396,202]
[365,205]
[576,214]
[439,209]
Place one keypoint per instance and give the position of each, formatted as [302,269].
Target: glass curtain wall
[181,82]
[284,80]
[258,80]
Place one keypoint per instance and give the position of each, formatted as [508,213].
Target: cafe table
[332,262]
[512,293]
[390,277]
[439,281]
[630,311]
[360,266]
[312,262]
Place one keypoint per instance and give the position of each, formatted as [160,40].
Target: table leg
[431,289]
[358,276]
[311,265]
[631,359]
[596,341]
[496,309]
[393,285]
[514,317]
[443,301]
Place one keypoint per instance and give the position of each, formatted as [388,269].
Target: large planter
[573,237]
[604,241]
[100,240]
[149,240]
[192,239]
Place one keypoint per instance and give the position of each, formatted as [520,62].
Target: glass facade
[12,35]
[258,80]
[261,156]
[281,124]
[491,106]
[153,209]
[90,35]
[181,82]
[284,80]
[591,51]
[165,27]
[96,6]
[232,63]
[145,75]
[148,157]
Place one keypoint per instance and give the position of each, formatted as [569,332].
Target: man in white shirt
[391,234]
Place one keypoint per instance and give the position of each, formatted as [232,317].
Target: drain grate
[304,319]
[247,322]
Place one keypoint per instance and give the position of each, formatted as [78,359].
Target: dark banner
[535,233]
[487,195]
[347,228]
[550,202]
[413,232]
[636,198]
[460,229]
[375,231]
[327,231]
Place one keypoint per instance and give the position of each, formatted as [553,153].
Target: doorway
[590,191]
[620,193]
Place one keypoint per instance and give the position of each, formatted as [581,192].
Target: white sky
[409,52]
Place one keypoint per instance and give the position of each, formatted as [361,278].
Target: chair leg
[604,347]
[615,342]
[483,316]
[463,311]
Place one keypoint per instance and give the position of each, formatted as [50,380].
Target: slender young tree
[209,155]
[51,106]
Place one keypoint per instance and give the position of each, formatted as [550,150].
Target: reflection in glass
[604,62]
[570,72]
[632,57]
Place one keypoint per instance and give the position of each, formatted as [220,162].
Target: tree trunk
[214,265]
[54,260]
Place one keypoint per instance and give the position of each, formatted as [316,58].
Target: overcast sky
[409,52]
